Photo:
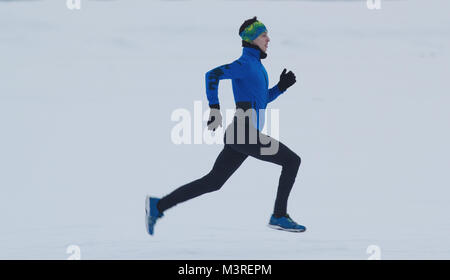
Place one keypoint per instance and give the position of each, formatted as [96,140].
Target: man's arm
[235,70]
[274,93]
[286,80]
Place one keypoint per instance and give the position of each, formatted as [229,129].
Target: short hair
[246,24]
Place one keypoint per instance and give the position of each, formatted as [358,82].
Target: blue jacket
[249,80]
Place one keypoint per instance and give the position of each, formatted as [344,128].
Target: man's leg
[226,164]
[289,161]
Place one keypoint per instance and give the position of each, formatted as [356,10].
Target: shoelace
[289,219]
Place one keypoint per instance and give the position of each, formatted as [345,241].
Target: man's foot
[285,223]
[152,213]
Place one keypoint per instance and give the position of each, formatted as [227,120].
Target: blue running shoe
[285,223]
[152,213]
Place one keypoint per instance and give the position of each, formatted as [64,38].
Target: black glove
[286,80]
[215,118]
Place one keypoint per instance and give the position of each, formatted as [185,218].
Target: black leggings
[229,160]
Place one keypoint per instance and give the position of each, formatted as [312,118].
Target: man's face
[262,41]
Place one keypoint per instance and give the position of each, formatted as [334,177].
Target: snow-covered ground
[86,98]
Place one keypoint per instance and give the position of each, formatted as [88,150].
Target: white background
[85,103]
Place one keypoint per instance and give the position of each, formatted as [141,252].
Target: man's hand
[215,118]
[286,80]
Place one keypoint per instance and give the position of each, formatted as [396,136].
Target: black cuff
[281,87]
[214,106]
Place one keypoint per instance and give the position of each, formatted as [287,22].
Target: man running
[251,94]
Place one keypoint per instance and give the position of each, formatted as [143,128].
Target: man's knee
[298,160]
[294,161]
[213,183]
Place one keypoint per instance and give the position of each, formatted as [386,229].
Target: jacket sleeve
[274,93]
[234,70]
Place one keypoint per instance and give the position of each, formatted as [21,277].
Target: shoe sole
[147,213]
[285,229]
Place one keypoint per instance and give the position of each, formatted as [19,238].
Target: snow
[85,103]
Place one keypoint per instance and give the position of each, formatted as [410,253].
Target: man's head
[254,32]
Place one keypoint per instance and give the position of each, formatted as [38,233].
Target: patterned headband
[252,31]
